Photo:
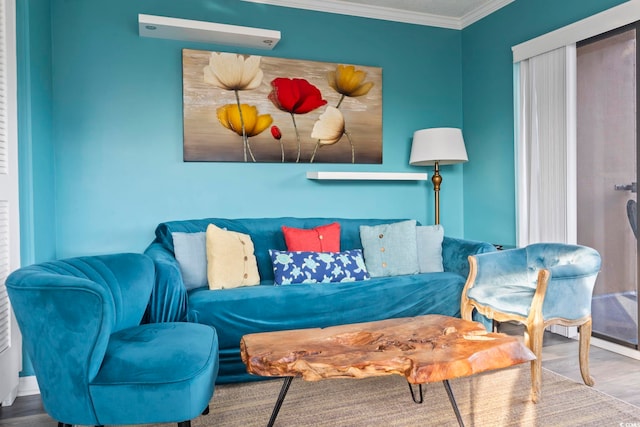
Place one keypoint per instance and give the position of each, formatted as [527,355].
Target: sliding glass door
[607,154]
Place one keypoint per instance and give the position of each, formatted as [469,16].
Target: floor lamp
[437,146]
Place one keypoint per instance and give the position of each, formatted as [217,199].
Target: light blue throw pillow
[390,249]
[317,267]
[429,239]
[191,253]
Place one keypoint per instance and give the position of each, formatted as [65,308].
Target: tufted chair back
[573,269]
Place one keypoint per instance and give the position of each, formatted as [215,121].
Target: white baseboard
[28,386]
[565,331]
[10,398]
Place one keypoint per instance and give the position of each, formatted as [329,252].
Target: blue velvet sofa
[239,311]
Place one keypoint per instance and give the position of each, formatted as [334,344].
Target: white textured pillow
[191,254]
[231,262]
[429,240]
[390,249]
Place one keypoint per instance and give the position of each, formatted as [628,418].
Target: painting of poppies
[248,108]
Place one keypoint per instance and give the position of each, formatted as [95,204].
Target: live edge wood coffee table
[423,349]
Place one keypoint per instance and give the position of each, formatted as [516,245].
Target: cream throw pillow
[231,262]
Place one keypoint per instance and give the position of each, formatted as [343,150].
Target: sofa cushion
[241,311]
[323,238]
[191,253]
[230,259]
[429,244]
[318,267]
[390,249]
[146,364]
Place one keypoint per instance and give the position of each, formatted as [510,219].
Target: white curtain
[545,147]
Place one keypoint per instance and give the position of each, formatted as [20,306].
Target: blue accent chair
[94,362]
[539,285]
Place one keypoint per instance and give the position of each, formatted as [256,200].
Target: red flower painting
[277,135]
[295,96]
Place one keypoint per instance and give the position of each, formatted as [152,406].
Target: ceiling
[455,14]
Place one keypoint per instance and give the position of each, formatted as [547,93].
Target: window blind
[5,319]
[545,138]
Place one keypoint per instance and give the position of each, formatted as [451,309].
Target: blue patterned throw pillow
[317,267]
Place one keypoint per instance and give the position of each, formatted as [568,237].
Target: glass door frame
[633,26]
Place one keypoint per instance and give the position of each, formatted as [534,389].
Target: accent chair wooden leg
[64,425]
[206,411]
[184,424]
[585,340]
[536,335]
[466,311]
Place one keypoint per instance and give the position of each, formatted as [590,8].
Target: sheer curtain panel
[545,143]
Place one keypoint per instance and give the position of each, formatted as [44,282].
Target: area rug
[499,398]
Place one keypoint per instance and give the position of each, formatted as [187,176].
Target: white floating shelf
[206,32]
[368,176]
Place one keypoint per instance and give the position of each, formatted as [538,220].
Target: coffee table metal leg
[281,396]
[452,399]
[420,399]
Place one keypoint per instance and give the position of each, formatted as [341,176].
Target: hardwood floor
[23,406]
[615,375]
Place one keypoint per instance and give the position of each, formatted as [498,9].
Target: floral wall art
[248,108]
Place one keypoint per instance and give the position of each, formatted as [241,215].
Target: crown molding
[367,11]
[389,14]
[485,10]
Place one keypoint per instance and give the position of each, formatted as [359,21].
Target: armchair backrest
[67,310]
[266,233]
[557,256]
[504,268]
[574,270]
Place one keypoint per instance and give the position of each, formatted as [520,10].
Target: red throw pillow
[324,238]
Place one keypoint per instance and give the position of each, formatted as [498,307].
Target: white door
[10,340]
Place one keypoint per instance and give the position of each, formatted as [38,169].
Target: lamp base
[436,179]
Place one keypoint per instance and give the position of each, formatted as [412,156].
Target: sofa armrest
[168,302]
[455,253]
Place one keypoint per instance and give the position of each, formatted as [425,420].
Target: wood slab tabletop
[423,349]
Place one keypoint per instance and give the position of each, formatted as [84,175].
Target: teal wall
[112,124]
[36,154]
[487,86]
[37,201]
[100,121]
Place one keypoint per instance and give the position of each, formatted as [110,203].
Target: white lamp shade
[442,145]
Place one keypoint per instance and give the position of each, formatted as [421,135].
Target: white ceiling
[455,14]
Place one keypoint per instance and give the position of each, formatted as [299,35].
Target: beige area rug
[499,398]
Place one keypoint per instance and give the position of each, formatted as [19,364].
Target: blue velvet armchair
[539,285]
[94,362]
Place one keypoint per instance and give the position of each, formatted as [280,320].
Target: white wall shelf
[206,32]
[368,176]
